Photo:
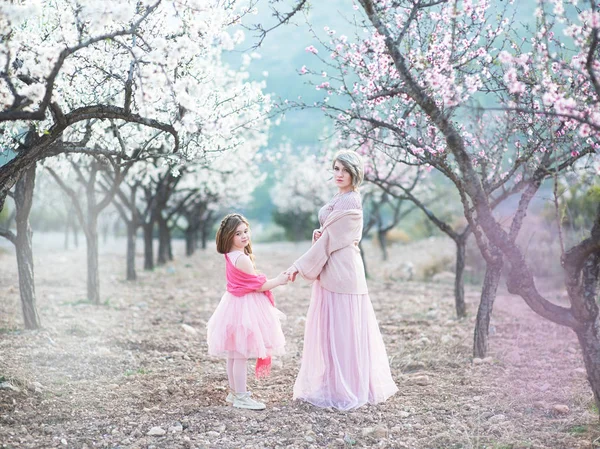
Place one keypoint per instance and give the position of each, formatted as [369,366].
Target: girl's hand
[291,273]
[316,234]
[282,278]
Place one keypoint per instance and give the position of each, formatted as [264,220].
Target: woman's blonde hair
[353,163]
[226,233]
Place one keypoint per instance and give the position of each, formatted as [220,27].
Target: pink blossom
[312,49]
[505,57]
[303,70]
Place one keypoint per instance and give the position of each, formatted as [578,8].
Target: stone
[189,329]
[560,408]
[349,440]
[9,386]
[477,361]
[381,432]
[497,418]
[368,431]
[36,387]
[156,432]
[403,414]
[310,436]
[422,380]
[176,428]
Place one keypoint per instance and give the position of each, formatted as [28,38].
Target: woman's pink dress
[344,362]
[245,326]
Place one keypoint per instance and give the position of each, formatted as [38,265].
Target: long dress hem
[344,361]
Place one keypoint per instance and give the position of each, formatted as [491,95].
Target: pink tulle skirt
[344,362]
[245,327]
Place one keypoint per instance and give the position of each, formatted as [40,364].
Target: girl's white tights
[236,372]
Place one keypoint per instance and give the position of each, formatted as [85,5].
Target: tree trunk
[93,278]
[493,270]
[23,199]
[131,241]
[459,284]
[204,234]
[190,234]
[170,245]
[589,339]
[163,242]
[382,237]
[75,232]
[66,245]
[148,249]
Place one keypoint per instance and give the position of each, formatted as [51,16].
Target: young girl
[246,323]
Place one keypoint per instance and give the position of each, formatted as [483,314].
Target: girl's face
[241,238]
[342,177]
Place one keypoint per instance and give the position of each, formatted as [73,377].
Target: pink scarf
[240,283]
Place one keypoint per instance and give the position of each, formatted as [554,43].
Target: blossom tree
[88,165]
[23,198]
[151,63]
[68,65]
[421,61]
[223,183]
[302,183]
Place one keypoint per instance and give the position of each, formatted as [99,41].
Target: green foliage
[297,225]
[269,233]
[577,207]
[4,214]
[577,430]
[130,372]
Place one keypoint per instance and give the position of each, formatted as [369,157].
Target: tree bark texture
[493,271]
[148,249]
[131,241]
[24,248]
[459,282]
[164,237]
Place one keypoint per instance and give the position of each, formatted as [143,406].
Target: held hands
[282,278]
[291,273]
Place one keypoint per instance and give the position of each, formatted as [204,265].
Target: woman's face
[342,177]
[241,238]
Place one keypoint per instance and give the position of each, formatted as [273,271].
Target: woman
[344,363]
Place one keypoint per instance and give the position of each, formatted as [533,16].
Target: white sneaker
[243,400]
[229,397]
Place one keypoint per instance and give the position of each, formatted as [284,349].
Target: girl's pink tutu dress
[245,326]
[344,361]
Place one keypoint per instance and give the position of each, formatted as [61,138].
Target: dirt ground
[108,376]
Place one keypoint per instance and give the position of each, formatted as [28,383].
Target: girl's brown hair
[226,233]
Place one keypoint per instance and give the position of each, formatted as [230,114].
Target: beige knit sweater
[334,258]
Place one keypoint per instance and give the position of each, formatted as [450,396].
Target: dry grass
[102,376]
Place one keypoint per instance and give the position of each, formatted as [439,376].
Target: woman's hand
[291,273]
[316,234]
